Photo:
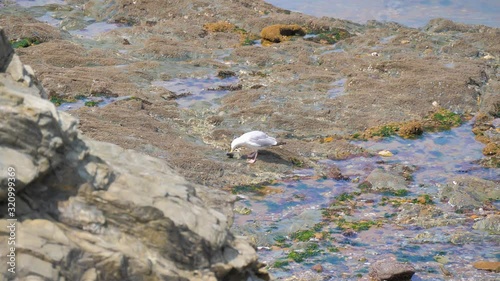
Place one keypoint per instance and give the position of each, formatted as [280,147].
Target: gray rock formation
[381,180]
[468,192]
[88,210]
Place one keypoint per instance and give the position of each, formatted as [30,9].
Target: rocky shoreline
[88,210]
[89,182]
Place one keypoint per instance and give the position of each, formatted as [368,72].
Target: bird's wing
[260,139]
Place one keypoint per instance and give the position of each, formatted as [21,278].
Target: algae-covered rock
[468,192]
[490,224]
[281,32]
[381,180]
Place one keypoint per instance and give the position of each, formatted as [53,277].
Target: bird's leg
[251,155]
[253,159]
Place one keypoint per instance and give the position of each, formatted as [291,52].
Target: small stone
[385,153]
[487,265]
[391,270]
[317,267]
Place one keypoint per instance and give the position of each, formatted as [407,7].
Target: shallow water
[286,207]
[410,13]
[101,102]
[191,91]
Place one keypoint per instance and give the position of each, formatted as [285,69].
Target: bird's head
[234,145]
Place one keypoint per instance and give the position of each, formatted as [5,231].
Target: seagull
[253,140]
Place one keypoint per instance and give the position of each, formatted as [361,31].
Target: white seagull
[253,140]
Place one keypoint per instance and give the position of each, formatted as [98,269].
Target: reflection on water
[438,156]
[92,101]
[283,208]
[189,91]
[94,29]
[410,13]
[34,3]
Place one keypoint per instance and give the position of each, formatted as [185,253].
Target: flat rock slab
[391,270]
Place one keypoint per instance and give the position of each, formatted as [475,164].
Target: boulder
[89,210]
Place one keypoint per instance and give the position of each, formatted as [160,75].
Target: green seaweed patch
[24,42]
[446,117]
[91,103]
[303,235]
[300,255]
[357,226]
[424,199]
[408,130]
[281,263]
[330,36]
[57,101]
[333,249]
[280,239]
[251,188]
[385,131]
[297,162]
[443,119]
[388,216]
[400,192]
[247,41]
[395,202]
[346,196]
[365,186]
[80,97]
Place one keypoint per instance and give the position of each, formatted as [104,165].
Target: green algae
[355,225]
[326,36]
[303,235]
[298,256]
[247,189]
[445,119]
[281,263]
[91,103]
[57,101]
[24,42]
[346,196]
[400,192]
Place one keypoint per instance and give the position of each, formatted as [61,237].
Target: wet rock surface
[314,95]
[391,270]
[89,210]
[467,193]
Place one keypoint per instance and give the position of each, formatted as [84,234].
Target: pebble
[317,267]
[391,270]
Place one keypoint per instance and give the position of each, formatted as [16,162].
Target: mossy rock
[443,119]
[491,149]
[24,42]
[281,32]
[411,129]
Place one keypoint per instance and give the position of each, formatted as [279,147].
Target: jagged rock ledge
[89,210]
